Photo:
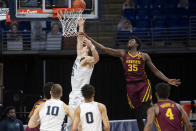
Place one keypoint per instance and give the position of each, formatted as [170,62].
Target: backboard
[42,9]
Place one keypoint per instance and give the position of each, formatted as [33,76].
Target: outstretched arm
[159,74]
[109,51]
[185,118]
[150,119]
[76,121]
[95,56]
[80,38]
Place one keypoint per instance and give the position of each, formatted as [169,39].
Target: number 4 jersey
[169,117]
[90,117]
[52,115]
[134,67]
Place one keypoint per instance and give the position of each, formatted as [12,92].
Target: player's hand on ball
[174,82]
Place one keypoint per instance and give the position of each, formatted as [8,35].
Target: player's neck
[89,100]
[166,99]
[133,51]
[55,98]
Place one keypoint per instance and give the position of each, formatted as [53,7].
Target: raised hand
[174,82]
[81,22]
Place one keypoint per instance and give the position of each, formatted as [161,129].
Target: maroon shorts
[138,92]
[32,129]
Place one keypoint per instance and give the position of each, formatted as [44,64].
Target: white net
[69,21]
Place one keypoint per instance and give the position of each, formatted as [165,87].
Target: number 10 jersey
[52,115]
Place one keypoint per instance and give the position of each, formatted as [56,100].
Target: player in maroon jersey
[138,86]
[46,91]
[167,114]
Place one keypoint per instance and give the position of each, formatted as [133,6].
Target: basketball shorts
[138,92]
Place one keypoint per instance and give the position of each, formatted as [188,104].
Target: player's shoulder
[101,106]
[144,53]
[153,109]
[179,106]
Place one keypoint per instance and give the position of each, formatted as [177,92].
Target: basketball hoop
[69,19]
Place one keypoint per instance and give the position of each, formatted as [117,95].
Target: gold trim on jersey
[130,103]
[135,55]
[157,124]
[146,96]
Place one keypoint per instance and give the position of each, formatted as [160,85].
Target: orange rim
[66,10]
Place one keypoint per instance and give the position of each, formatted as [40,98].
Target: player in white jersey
[87,57]
[90,114]
[50,115]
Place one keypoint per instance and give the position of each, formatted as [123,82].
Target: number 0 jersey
[52,115]
[90,117]
[169,117]
[134,67]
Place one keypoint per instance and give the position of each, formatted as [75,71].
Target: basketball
[79,4]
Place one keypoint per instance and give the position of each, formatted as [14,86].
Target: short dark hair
[138,41]
[163,90]
[88,91]
[47,88]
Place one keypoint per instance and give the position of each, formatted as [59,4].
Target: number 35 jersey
[169,117]
[134,67]
[52,115]
[90,117]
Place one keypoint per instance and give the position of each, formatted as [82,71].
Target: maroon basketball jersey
[169,117]
[39,102]
[134,67]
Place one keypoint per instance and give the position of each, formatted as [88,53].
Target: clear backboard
[43,9]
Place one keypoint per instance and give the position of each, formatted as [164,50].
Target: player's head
[47,88]
[162,90]
[86,50]
[56,91]
[88,91]
[134,42]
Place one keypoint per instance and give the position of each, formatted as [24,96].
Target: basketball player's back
[90,117]
[52,115]
[169,117]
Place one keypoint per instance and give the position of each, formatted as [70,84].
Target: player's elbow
[148,127]
[189,127]
[30,125]
[97,59]
[107,127]
[73,129]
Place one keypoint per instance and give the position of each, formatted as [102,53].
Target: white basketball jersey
[80,75]
[52,115]
[90,117]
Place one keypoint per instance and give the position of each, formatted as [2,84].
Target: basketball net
[69,20]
